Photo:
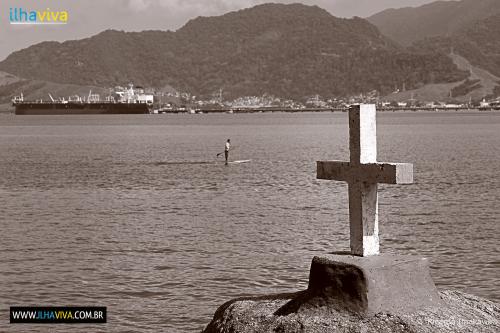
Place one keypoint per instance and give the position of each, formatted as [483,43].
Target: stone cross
[363,173]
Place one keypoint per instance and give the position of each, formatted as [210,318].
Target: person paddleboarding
[226,149]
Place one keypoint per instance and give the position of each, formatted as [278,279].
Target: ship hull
[80,108]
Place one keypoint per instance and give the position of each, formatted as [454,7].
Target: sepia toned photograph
[250,166]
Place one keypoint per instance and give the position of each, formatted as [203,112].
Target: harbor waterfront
[137,213]
[342,109]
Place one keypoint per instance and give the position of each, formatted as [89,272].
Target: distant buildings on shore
[185,100]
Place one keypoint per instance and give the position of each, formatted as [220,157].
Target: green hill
[478,43]
[468,32]
[440,18]
[285,50]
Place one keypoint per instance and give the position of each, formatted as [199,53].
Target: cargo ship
[121,101]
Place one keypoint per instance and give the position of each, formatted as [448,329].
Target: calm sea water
[136,213]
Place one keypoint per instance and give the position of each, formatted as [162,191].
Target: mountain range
[440,18]
[467,31]
[285,50]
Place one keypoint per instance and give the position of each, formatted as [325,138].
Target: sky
[89,17]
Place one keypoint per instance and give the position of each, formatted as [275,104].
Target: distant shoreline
[317,110]
[4,112]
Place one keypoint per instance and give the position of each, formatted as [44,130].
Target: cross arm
[388,173]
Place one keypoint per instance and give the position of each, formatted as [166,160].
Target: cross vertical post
[363,197]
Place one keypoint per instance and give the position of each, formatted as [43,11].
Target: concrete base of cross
[365,285]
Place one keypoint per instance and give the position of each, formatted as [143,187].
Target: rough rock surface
[459,313]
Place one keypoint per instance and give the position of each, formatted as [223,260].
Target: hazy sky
[89,17]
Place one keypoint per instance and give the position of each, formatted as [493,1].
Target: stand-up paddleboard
[238,161]
[182,162]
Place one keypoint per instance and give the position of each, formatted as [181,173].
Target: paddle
[232,148]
